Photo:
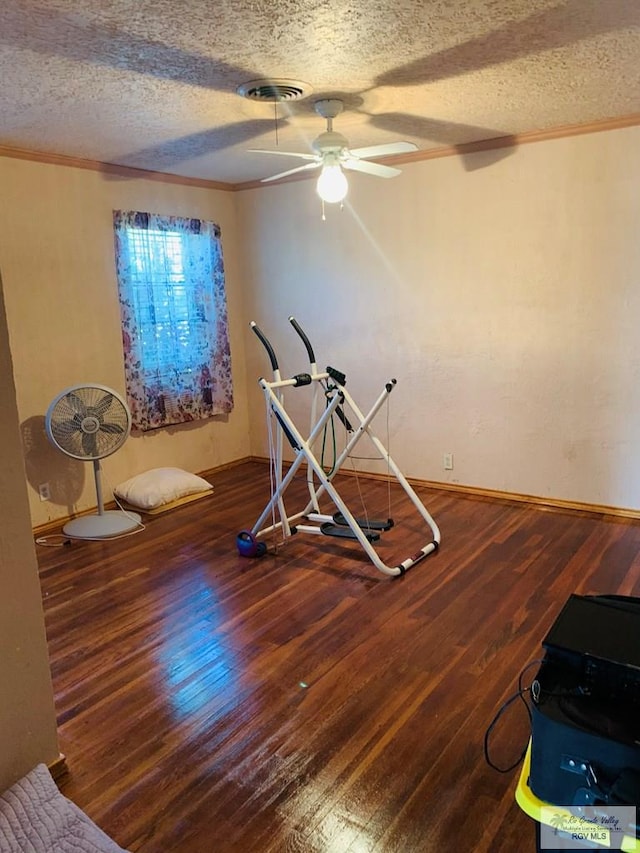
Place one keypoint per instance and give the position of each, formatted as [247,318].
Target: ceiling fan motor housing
[330,140]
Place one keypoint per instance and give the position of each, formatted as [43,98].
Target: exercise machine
[329,394]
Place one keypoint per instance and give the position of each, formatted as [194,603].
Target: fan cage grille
[88,422]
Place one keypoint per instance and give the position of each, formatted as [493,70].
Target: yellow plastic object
[539,810]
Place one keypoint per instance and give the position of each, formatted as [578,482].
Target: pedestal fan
[90,422]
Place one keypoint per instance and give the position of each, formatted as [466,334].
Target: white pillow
[160,486]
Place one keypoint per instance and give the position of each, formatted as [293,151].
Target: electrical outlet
[44,492]
[447,461]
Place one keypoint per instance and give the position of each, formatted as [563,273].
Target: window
[174,318]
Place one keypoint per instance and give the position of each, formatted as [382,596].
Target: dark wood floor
[304,701]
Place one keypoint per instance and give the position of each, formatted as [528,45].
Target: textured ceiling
[152,83]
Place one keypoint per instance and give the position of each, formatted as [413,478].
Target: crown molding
[510,141]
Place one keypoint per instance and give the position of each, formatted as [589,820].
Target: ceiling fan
[332,154]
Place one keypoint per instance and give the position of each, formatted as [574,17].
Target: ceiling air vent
[274,90]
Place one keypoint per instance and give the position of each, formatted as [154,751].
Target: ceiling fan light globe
[332,184]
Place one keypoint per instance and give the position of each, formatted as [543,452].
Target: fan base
[102,525]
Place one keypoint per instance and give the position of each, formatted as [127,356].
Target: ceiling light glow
[332,184]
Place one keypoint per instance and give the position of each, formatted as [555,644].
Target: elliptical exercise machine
[330,387]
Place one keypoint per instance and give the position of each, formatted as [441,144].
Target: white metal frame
[328,385]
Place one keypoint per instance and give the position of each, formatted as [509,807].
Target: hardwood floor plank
[303,701]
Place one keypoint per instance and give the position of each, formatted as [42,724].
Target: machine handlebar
[266,344]
[305,339]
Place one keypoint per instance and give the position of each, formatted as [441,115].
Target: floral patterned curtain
[174,318]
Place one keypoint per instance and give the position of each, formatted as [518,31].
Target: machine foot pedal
[370,524]
[346,532]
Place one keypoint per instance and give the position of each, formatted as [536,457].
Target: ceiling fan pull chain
[275,118]
[324,218]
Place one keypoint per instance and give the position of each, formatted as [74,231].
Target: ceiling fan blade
[283,153]
[377,169]
[384,149]
[291,172]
